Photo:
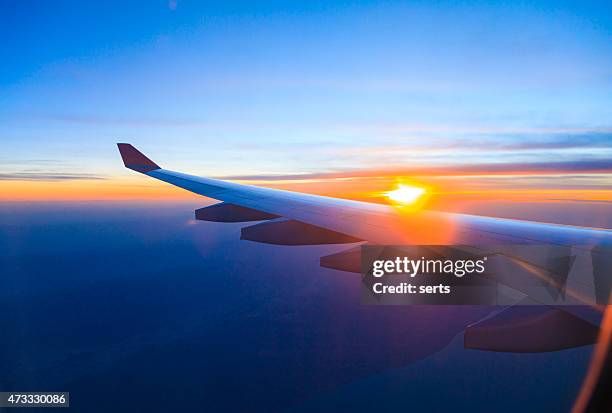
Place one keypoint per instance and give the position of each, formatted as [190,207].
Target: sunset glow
[405,194]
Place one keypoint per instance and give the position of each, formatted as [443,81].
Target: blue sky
[257,88]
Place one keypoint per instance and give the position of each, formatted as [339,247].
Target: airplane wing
[292,218]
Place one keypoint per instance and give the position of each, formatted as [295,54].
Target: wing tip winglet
[134,159]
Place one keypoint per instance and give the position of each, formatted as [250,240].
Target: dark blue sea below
[138,308]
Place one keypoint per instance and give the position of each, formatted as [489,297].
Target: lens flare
[405,194]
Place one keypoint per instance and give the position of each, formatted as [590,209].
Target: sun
[405,194]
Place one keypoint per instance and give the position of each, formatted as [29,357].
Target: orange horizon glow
[372,187]
[366,191]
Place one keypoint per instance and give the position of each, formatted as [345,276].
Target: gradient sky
[519,94]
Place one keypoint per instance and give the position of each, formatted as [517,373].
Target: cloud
[5,161]
[46,176]
[594,201]
[436,141]
[557,141]
[571,167]
[80,119]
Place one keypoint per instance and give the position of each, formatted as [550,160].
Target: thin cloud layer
[44,176]
[572,167]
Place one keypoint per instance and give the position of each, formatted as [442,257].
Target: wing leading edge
[375,223]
